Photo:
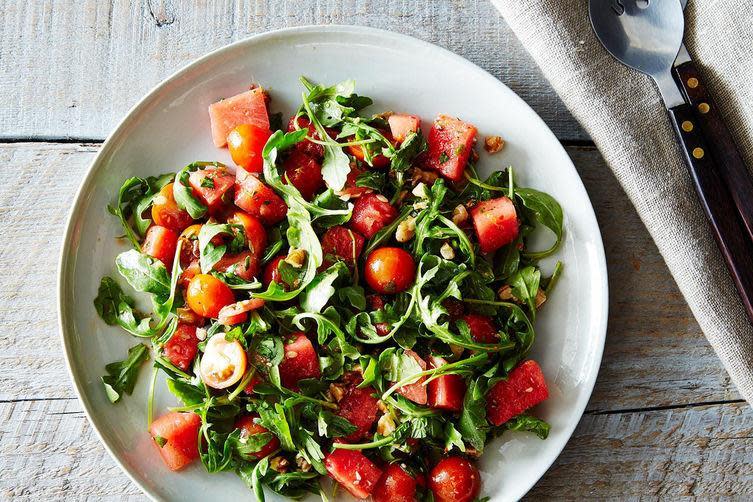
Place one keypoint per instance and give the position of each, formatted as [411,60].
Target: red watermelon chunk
[524,388]
[248,107]
[300,361]
[416,392]
[305,173]
[401,125]
[483,329]
[496,223]
[211,184]
[342,243]
[450,141]
[371,213]
[350,189]
[446,392]
[176,436]
[353,471]
[359,407]
[258,199]
[161,242]
[182,347]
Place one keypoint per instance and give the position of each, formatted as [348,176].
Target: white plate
[170,128]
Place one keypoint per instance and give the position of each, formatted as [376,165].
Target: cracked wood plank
[655,354]
[122,48]
[699,452]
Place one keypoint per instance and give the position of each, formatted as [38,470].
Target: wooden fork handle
[719,140]
[726,224]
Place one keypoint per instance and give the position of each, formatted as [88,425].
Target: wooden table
[664,420]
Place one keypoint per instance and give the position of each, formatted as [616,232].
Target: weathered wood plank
[655,354]
[77,67]
[694,453]
[701,452]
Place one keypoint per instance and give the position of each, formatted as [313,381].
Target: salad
[350,300]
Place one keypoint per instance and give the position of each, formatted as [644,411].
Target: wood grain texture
[79,66]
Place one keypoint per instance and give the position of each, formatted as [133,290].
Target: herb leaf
[546,211]
[121,375]
[144,273]
[116,308]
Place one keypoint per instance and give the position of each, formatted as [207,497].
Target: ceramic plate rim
[64,261]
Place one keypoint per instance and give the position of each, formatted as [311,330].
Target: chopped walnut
[302,463]
[447,252]
[420,191]
[382,406]
[337,391]
[505,293]
[426,177]
[201,334]
[540,298]
[493,144]
[279,464]
[459,214]
[406,229]
[296,258]
[386,425]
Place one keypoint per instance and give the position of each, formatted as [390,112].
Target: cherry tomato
[389,270]
[395,485]
[271,273]
[249,427]
[206,295]
[166,213]
[256,234]
[455,479]
[246,143]
[223,363]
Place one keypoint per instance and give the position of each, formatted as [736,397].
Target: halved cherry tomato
[395,485]
[223,363]
[237,313]
[166,213]
[160,242]
[250,427]
[305,173]
[246,143]
[371,213]
[389,270]
[189,244]
[455,479]
[206,295]
[256,234]
[181,348]
[271,271]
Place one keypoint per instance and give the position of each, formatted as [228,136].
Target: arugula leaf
[333,426]
[209,254]
[371,179]
[546,211]
[320,290]
[116,308]
[144,273]
[275,419]
[121,375]
[246,446]
[336,164]
[453,438]
[413,146]
[472,424]
[529,424]
[525,286]
[396,365]
[354,295]
[134,197]
[189,395]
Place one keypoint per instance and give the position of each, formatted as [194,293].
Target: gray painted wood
[656,357]
[73,69]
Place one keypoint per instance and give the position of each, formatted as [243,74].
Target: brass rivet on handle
[704,108]
[698,153]
[687,126]
[692,82]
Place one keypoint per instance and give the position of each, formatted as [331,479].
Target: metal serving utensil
[646,35]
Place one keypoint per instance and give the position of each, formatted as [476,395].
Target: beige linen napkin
[622,112]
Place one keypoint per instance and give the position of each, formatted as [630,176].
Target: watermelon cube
[402,125]
[496,223]
[248,107]
[450,142]
[176,435]
[300,361]
[353,471]
[524,388]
